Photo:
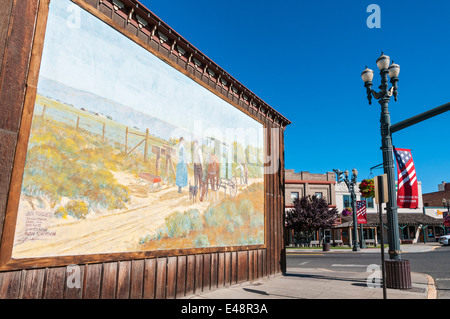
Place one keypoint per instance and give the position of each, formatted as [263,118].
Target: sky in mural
[93,57]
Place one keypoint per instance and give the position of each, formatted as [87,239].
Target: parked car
[444,240]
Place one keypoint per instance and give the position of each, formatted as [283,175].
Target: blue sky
[305,58]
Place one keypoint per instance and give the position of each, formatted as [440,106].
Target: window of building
[318,194]
[347,201]
[369,202]
[294,196]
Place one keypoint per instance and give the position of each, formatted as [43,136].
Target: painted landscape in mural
[127,154]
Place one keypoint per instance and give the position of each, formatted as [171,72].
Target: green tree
[310,214]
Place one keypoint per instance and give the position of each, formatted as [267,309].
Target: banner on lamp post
[446,217]
[361,213]
[407,189]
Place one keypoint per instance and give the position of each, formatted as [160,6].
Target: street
[434,263]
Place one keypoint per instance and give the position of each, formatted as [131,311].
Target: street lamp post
[351,187]
[384,96]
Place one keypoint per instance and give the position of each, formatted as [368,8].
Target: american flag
[407,172]
[407,190]
[361,211]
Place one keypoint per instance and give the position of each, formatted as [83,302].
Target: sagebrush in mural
[231,222]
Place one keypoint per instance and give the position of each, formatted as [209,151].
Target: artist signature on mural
[34,229]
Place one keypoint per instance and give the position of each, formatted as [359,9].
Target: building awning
[404,219]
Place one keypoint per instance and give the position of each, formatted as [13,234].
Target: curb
[431,288]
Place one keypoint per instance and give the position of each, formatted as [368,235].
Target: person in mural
[245,173]
[240,170]
[182,176]
[197,158]
[213,170]
[204,179]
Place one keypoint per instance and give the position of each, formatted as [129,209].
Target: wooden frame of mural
[36,218]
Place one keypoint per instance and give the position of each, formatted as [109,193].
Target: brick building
[305,183]
[302,184]
[434,199]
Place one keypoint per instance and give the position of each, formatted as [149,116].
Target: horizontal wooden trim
[309,182]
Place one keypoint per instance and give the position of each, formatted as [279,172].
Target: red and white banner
[407,189]
[361,215]
[446,217]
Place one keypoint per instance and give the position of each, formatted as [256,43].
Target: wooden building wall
[158,277]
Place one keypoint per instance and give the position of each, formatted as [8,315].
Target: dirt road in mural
[113,231]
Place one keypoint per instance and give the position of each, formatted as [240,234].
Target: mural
[128,154]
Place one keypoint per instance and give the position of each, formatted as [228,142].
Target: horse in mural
[211,178]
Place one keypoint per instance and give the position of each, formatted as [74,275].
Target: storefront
[413,228]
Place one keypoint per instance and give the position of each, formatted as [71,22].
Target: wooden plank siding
[157,277]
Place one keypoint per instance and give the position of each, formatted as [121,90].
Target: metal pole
[355,221]
[351,188]
[388,165]
[424,234]
[361,230]
[420,117]
[383,273]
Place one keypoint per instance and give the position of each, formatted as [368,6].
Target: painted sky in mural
[80,56]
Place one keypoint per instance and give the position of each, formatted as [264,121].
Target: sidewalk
[318,283]
[410,248]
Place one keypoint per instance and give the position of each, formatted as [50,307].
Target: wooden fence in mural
[159,149]
[146,141]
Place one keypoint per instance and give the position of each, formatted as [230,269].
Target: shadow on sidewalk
[354,281]
[322,277]
[261,292]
